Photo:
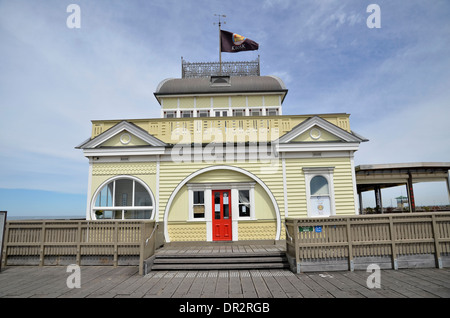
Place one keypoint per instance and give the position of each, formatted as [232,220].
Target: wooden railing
[63,242]
[357,240]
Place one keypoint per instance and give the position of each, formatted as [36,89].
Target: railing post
[297,246]
[437,246]
[142,249]
[78,257]
[42,245]
[5,245]
[350,246]
[393,240]
[115,241]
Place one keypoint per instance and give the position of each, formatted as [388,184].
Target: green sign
[305,228]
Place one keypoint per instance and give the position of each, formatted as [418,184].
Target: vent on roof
[220,81]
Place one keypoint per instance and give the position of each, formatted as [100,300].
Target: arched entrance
[240,203]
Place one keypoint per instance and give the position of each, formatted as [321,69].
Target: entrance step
[220,261]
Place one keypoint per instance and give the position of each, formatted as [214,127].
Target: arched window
[123,198]
[319,186]
[319,191]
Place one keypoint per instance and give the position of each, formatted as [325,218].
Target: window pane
[104,198]
[101,214]
[244,196]
[141,196]
[244,210]
[124,189]
[226,211]
[199,197]
[319,186]
[199,211]
[141,215]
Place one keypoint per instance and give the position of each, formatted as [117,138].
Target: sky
[394,81]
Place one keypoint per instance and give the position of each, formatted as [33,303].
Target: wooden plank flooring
[119,282]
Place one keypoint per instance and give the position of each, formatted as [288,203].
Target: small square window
[203,113]
[272,112]
[199,204]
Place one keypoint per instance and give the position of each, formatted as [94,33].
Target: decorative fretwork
[205,69]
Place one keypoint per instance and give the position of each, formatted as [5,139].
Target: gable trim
[325,125]
[120,127]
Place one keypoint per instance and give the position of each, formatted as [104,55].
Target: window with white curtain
[244,203]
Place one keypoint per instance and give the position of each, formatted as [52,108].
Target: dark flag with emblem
[233,43]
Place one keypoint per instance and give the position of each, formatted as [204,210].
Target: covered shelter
[378,176]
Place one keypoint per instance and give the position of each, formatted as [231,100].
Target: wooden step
[218,260]
[222,261]
[219,266]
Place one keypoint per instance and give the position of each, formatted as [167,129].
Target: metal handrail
[149,238]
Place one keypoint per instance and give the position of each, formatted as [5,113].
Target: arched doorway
[239,195]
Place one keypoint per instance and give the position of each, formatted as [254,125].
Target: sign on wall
[2,234]
[320,206]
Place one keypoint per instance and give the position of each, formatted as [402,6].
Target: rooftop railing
[205,69]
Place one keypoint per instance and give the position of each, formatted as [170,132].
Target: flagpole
[220,42]
[220,51]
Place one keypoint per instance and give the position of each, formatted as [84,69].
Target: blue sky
[394,81]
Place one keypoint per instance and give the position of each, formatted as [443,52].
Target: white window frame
[235,218]
[327,173]
[239,110]
[123,208]
[174,112]
[276,109]
[221,111]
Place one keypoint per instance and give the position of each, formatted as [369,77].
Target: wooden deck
[117,282]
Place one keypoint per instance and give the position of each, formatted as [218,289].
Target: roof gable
[124,134]
[316,129]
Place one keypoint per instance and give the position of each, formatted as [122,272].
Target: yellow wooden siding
[170,103]
[220,102]
[238,101]
[203,102]
[262,230]
[271,100]
[342,179]
[180,232]
[187,102]
[254,101]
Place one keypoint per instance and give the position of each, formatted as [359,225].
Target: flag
[233,43]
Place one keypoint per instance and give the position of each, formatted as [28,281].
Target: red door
[221,200]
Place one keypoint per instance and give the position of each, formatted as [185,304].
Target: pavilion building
[223,163]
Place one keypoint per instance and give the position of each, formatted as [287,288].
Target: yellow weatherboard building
[222,163]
